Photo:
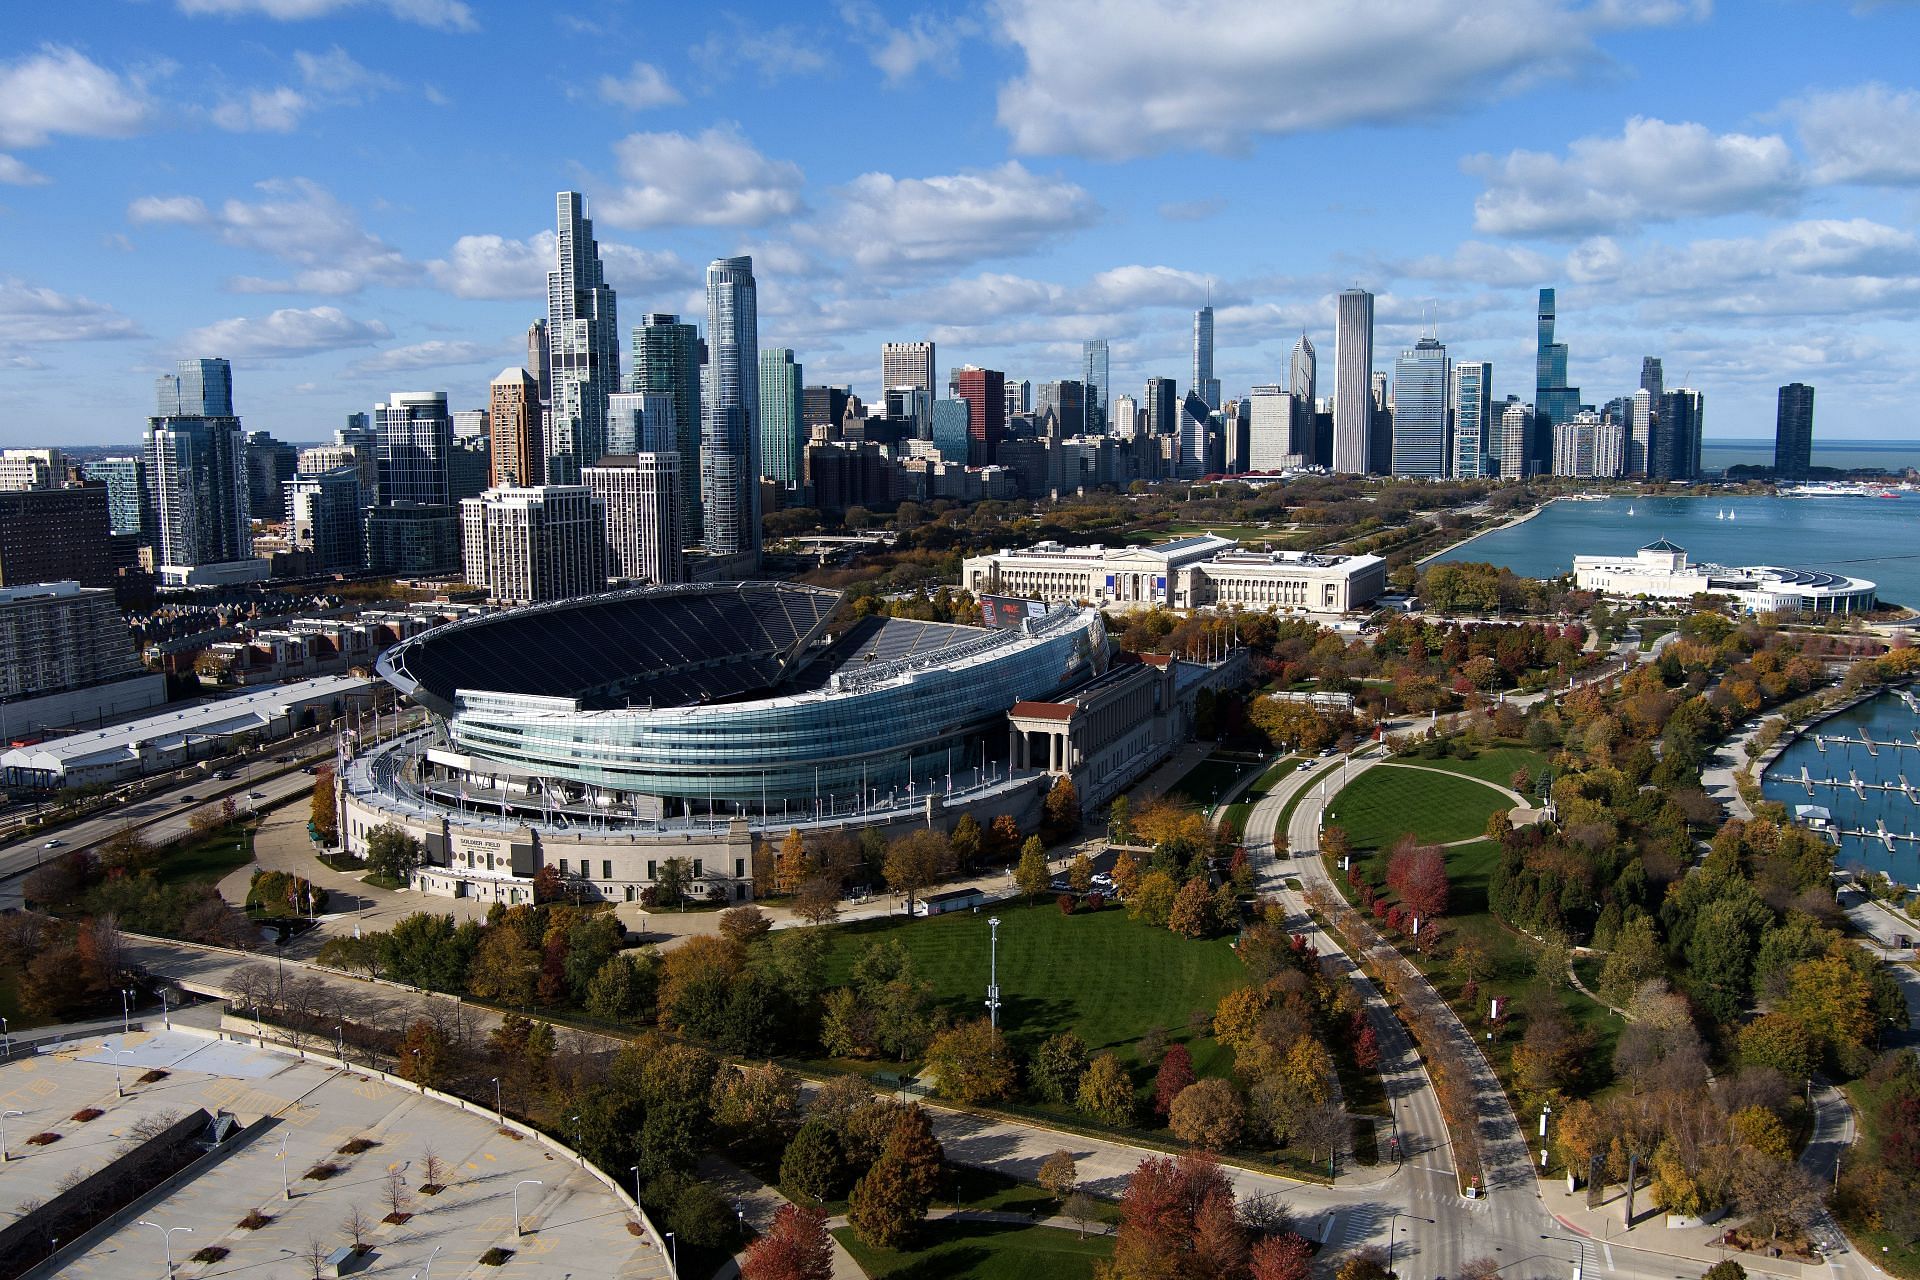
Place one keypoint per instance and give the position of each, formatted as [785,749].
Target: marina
[1852,779]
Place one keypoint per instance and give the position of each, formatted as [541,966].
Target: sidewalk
[1606,1230]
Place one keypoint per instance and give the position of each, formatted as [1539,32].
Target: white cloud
[927,40]
[1124,78]
[887,221]
[287,332]
[31,313]
[716,179]
[1192,210]
[774,52]
[262,111]
[16,173]
[492,266]
[59,90]
[329,79]
[336,74]
[299,223]
[434,354]
[1499,266]
[447,15]
[1653,171]
[644,86]
[1864,134]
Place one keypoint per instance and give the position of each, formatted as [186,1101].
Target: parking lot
[572,1225]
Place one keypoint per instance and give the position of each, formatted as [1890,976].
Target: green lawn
[1101,975]
[1212,778]
[206,861]
[1385,803]
[1494,764]
[983,1251]
[1234,820]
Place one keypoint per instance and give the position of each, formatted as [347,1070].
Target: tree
[1780,1041]
[1281,1257]
[1061,811]
[1418,873]
[1080,874]
[1119,819]
[790,865]
[915,861]
[423,1053]
[392,853]
[1725,1269]
[1177,1220]
[321,811]
[1335,843]
[745,924]
[1208,1113]
[755,1100]
[1635,957]
[1192,913]
[884,1208]
[1152,899]
[1369,1262]
[1003,836]
[1080,1208]
[814,1166]
[1032,875]
[1059,1174]
[1057,1067]
[397,1195]
[356,1227]
[1176,1073]
[972,1062]
[1106,1091]
[505,968]
[795,1247]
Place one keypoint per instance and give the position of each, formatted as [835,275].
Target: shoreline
[1505,524]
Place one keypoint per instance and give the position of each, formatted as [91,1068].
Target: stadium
[605,733]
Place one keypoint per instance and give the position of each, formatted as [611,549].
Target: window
[606,868]
[563,866]
[696,868]
[651,873]
[739,866]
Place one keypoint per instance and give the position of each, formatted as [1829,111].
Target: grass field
[207,861]
[1101,975]
[1212,778]
[1234,820]
[985,1250]
[1385,802]
[1495,764]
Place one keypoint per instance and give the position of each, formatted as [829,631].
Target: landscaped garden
[1390,801]
[1213,777]
[983,1251]
[1234,820]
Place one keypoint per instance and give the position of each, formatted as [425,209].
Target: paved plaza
[573,1225]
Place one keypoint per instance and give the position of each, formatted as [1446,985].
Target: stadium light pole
[993,971]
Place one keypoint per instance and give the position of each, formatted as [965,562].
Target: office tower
[782,434]
[1237,435]
[1420,411]
[527,544]
[1163,407]
[1195,424]
[730,434]
[413,434]
[1676,437]
[667,359]
[1124,422]
[1793,432]
[911,405]
[1553,400]
[643,422]
[196,455]
[1653,379]
[1066,402]
[470,424]
[323,516]
[540,359]
[1019,398]
[1472,405]
[1515,438]
[469,470]
[640,498]
[1641,428]
[1380,437]
[1270,436]
[513,427]
[824,407]
[1303,373]
[128,512]
[55,535]
[987,394]
[583,339]
[1352,376]
[952,437]
[270,464]
[1093,376]
[907,364]
[1204,384]
[32,469]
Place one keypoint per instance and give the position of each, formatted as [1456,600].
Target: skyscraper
[1204,384]
[1163,407]
[1352,378]
[1271,442]
[1125,421]
[1303,373]
[952,437]
[1420,411]
[324,517]
[413,436]
[1793,432]
[1066,401]
[196,458]
[1553,400]
[640,498]
[730,432]
[1676,436]
[1093,376]
[642,422]
[583,337]
[781,433]
[1653,380]
[667,358]
[1642,428]
[513,428]
[985,391]
[128,512]
[1472,403]
[547,542]
[1515,437]
[907,364]
[1195,418]
[540,360]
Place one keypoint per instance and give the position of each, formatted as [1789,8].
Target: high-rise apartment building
[1793,432]
[1514,437]
[639,495]
[1094,371]
[1641,428]
[667,355]
[952,438]
[1420,445]
[1352,379]
[1124,422]
[730,435]
[1163,407]
[782,434]
[52,535]
[1587,446]
[1554,401]
[324,517]
[1303,373]
[527,544]
[1471,402]
[824,407]
[128,511]
[1653,379]
[583,339]
[31,469]
[1019,397]
[1272,440]
[1204,384]
[1676,436]
[270,464]
[540,359]
[986,394]
[196,456]
[413,434]
[519,454]
[907,364]
[1064,405]
[643,422]
[60,637]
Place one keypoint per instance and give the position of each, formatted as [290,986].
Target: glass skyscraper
[1554,401]
[1472,404]
[781,431]
[413,434]
[1093,376]
[950,429]
[1352,383]
[196,457]
[128,504]
[583,341]
[197,389]
[1793,432]
[1302,374]
[1420,411]
[1204,384]
[666,359]
[730,432]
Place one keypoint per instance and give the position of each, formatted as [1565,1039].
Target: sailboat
[1733,515]
[1629,508]
[1720,515]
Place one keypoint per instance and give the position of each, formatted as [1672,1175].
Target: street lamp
[993,970]
[576,1141]
[3,1132]
[674,1245]
[166,1238]
[500,1113]
[5,1031]
[524,1182]
[286,1188]
[636,1183]
[426,1272]
[1545,1111]
[126,1013]
[119,1090]
[1393,1223]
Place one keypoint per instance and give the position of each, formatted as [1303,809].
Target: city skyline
[1734,213]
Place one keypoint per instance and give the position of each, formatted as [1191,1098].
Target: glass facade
[1420,411]
[730,432]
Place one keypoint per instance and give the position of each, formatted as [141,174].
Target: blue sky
[349,198]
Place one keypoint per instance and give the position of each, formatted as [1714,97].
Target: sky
[352,197]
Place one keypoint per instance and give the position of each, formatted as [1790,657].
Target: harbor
[1852,780]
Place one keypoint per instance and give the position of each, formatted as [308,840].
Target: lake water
[1884,719]
[1845,455]
[1873,538]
